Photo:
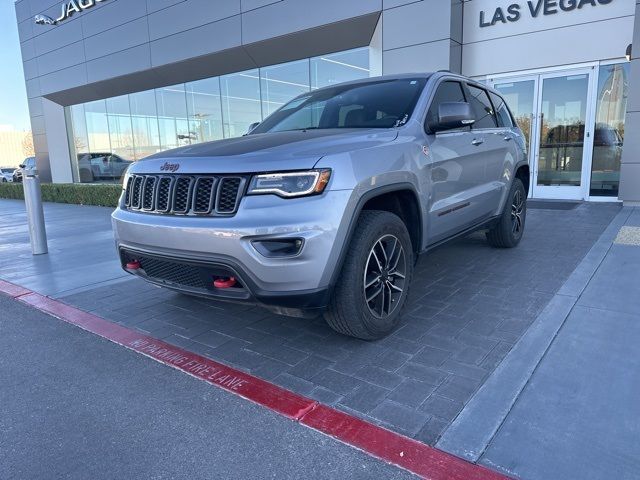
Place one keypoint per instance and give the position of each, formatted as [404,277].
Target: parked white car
[6,174]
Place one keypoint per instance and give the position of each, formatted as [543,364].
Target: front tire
[508,232]
[374,283]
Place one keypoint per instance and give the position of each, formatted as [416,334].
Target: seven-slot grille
[184,194]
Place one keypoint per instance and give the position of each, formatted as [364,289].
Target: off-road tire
[504,233]
[348,312]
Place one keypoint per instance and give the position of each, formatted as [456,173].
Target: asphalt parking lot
[469,305]
[76,406]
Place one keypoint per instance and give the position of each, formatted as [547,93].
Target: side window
[448,91]
[482,108]
[502,111]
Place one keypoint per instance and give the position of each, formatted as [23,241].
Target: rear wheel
[375,278]
[86,176]
[508,232]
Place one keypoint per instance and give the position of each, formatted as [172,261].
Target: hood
[292,150]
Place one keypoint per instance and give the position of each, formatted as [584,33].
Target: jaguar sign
[68,9]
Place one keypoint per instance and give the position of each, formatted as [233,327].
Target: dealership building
[113,81]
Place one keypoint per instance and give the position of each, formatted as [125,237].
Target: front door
[564,136]
[555,113]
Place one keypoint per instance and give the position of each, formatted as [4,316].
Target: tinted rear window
[482,108]
[502,111]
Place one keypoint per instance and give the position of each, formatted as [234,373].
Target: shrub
[75,193]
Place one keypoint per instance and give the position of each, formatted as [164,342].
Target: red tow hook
[224,282]
[133,265]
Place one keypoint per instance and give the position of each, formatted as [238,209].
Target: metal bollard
[35,212]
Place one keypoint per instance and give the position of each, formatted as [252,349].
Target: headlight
[290,184]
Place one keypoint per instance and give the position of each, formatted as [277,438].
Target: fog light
[278,248]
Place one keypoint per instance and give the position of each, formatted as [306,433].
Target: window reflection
[97,126]
[611,108]
[205,110]
[241,105]
[78,138]
[107,134]
[519,97]
[172,118]
[339,67]
[120,129]
[281,83]
[564,111]
[144,121]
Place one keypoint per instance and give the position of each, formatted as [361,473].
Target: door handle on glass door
[477,142]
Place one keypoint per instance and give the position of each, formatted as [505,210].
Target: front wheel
[374,283]
[508,232]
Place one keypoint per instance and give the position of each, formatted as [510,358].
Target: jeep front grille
[184,194]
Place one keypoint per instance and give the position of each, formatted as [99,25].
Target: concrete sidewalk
[81,249]
[565,403]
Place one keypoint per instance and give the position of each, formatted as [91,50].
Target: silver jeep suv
[325,205]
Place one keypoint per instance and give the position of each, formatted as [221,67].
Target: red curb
[419,458]
[252,388]
[12,290]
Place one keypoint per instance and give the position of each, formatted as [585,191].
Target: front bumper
[221,246]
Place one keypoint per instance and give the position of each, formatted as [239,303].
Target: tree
[27,145]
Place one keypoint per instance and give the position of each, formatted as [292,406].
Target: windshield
[8,170]
[377,104]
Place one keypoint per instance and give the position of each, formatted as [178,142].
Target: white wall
[630,168]
[421,36]
[566,37]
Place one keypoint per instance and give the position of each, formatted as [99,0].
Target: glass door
[564,136]
[554,111]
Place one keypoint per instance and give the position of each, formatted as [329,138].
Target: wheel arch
[523,172]
[386,198]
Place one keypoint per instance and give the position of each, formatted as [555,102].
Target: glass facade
[611,108]
[555,107]
[107,135]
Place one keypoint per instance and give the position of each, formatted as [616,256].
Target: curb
[411,455]
[476,425]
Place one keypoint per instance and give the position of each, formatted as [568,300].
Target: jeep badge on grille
[170,167]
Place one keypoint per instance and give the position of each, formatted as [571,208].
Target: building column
[630,168]
[57,139]
[423,36]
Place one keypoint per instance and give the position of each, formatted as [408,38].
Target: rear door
[456,169]
[495,148]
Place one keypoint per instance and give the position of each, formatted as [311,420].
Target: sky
[13,96]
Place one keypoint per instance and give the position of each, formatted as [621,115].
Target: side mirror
[454,115]
[251,127]
[21,165]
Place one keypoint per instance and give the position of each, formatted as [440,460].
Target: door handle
[507,138]
[477,142]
